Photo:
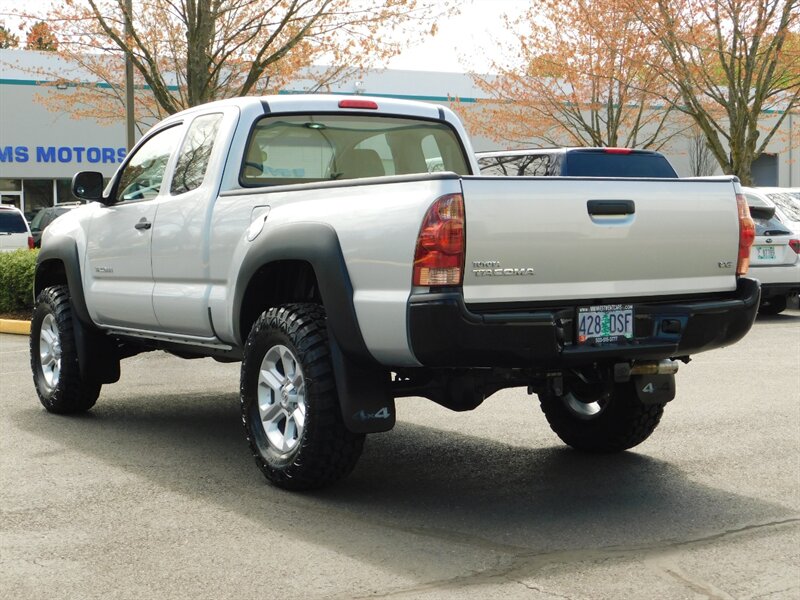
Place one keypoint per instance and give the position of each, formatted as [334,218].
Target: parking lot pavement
[153,494]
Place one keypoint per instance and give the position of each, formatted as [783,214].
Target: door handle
[143,224]
[610,207]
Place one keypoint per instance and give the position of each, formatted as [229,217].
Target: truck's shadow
[451,486]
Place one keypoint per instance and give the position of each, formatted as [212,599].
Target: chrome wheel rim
[583,410]
[50,352]
[282,398]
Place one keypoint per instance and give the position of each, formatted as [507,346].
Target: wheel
[773,306]
[54,357]
[610,421]
[290,409]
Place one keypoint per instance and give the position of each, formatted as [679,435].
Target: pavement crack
[542,590]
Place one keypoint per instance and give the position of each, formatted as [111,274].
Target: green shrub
[16,280]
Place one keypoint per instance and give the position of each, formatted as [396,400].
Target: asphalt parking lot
[154,495]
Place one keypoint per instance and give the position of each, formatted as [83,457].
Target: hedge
[17,269]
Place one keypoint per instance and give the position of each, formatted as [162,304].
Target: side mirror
[88,185]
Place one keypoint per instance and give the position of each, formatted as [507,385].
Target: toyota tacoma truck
[304,236]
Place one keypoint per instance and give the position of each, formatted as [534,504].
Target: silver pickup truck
[345,251]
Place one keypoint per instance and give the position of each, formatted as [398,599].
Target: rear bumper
[444,332]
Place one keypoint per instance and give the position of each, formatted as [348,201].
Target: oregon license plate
[606,323]
[765,252]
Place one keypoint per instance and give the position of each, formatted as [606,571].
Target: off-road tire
[63,390]
[326,450]
[623,423]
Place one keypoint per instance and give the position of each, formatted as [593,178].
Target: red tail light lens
[368,104]
[439,258]
[618,150]
[747,235]
[30,243]
[795,245]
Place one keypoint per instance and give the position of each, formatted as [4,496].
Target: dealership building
[42,148]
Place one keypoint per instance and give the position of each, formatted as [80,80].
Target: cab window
[306,148]
[195,154]
[142,176]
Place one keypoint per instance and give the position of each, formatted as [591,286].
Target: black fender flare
[362,383]
[98,357]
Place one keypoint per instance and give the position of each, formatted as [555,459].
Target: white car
[785,200]
[14,230]
[774,260]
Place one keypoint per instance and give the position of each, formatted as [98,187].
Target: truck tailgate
[547,239]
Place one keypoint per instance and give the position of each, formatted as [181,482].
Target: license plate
[606,323]
[765,252]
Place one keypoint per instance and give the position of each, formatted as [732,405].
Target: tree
[701,159]
[736,67]
[41,37]
[7,39]
[579,76]
[187,52]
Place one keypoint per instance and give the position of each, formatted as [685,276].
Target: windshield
[307,148]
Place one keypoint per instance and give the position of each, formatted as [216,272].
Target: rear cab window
[591,163]
[289,149]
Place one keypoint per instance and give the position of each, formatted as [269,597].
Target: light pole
[129,118]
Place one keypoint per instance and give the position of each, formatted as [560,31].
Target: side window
[142,176]
[195,154]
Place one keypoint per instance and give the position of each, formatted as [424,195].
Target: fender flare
[98,357]
[361,382]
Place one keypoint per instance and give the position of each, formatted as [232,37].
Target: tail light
[747,235]
[30,242]
[617,150]
[439,257]
[358,103]
[795,245]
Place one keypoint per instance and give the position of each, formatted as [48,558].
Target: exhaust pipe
[624,371]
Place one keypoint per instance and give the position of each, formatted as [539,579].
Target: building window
[38,194]
[64,191]
[10,185]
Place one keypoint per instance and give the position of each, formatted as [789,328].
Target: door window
[142,176]
[195,154]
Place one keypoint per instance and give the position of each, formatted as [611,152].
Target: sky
[466,42]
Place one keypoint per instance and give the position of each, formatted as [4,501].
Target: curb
[17,327]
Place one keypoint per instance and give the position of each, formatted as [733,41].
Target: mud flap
[364,395]
[97,356]
[654,389]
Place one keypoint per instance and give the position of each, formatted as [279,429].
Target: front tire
[290,408]
[54,356]
[610,422]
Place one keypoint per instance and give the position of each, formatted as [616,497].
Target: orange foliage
[579,74]
[736,66]
[190,52]
[41,37]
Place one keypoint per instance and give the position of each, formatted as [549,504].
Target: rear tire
[54,356]
[612,422]
[290,408]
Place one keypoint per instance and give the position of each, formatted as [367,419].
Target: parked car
[46,216]
[785,200]
[14,230]
[774,260]
[576,162]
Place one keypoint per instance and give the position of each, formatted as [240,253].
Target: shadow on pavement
[453,487]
